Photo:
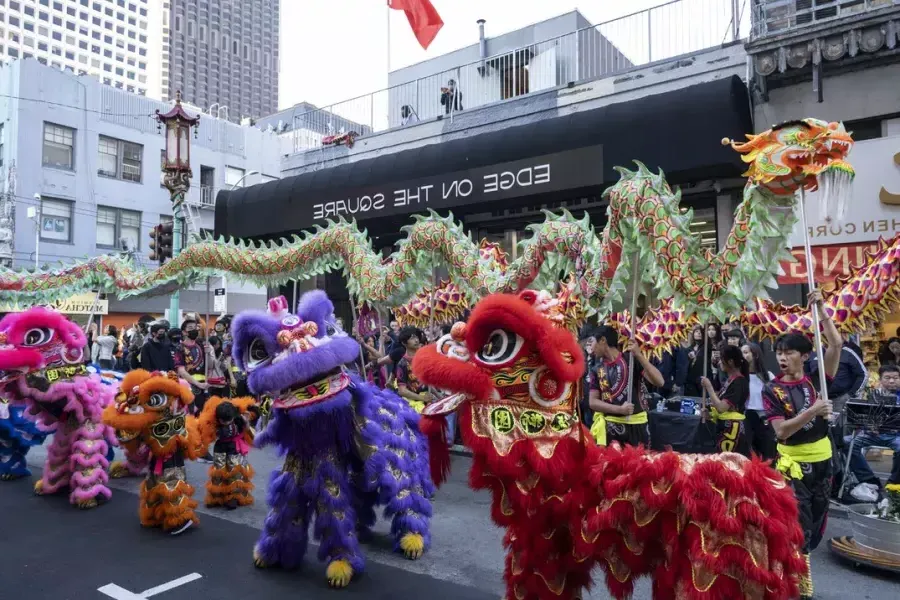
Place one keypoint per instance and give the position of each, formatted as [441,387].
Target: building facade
[107,39]
[85,162]
[837,63]
[555,146]
[222,54]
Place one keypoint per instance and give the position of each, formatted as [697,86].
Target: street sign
[220,300]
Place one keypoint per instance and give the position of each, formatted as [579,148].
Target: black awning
[678,131]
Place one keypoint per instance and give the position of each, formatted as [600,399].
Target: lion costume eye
[157,400]
[38,336]
[502,346]
[256,354]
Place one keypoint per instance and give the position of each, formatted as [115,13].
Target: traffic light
[161,242]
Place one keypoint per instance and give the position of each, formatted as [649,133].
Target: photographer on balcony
[451,97]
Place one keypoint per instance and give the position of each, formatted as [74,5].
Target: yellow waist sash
[731,415]
[790,457]
[598,427]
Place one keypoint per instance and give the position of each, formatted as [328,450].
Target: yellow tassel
[413,545]
[339,573]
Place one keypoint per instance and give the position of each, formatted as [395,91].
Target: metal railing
[203,196]
[773,17]
[656,34]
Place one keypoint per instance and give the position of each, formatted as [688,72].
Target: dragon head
[153,402]
[514,366]
[797,154]
[295,358]
[41,345]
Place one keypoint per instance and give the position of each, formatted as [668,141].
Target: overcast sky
[334,50]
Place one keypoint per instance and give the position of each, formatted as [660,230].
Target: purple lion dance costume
[348,445]
[41,370]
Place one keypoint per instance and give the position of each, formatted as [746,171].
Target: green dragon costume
[645,222]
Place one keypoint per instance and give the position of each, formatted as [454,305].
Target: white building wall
[91,110]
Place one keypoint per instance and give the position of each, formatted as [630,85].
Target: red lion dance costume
[703,527]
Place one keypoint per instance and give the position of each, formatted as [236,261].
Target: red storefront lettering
[829,262]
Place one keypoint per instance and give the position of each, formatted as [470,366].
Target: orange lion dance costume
[151,410]
[717,527]
[227,423]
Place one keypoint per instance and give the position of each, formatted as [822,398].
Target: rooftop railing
[775,17]
[657,34]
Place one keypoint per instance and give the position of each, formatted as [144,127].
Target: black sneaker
[206,458]
[231,504]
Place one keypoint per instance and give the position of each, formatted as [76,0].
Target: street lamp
[34,213]
[177,172]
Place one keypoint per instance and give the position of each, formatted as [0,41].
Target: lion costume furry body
[715,527]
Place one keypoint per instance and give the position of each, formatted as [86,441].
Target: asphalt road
[51,551]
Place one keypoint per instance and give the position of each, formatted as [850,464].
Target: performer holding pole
[616,381]
[799,410]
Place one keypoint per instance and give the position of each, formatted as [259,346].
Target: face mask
[158,339]
[193,334]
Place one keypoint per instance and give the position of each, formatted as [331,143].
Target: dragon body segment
[645,220]
[717,527]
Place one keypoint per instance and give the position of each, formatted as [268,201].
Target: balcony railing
[661,33]
[774,17]
[203,196]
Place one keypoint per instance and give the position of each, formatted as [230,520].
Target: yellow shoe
[39,487]
[118,470]
[339,573]
[413,545]
[85,504]
[258,561]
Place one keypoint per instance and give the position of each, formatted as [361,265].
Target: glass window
[106,226]
[109,157]
[132,156]
[59,146]
[130,229]
[233,176]
[56,220]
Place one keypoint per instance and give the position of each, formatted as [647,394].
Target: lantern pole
[177,176]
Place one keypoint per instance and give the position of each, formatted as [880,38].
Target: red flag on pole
[423,18]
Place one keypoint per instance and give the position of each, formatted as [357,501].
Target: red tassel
[435,429]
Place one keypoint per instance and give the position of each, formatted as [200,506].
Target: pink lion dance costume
[41,369]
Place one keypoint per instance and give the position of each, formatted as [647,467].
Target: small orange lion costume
[152,410]
[230,476]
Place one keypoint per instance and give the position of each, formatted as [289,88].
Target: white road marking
[117,593]
[171,585]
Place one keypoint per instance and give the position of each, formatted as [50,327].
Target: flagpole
[389,39]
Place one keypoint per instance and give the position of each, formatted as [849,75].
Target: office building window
[59,146]
[56,220]
[120,159]
[233,176]
[118,228]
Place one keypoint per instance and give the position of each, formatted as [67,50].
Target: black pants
[731,437]
[107,363]
[630,435]
[759,434]
[813,492]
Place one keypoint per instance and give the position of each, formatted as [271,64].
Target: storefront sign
[873,208]
[572,169]
[80,304]
[829,262]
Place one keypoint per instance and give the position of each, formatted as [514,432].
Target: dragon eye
[502,346]
[256,353]
[330,330]
[157,400]
[38,336]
